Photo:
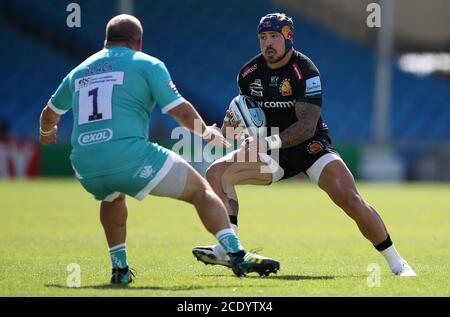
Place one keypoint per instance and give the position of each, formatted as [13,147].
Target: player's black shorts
[299,158]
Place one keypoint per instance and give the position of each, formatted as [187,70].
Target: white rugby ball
[252,117]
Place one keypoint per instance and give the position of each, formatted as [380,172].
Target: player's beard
[274,58]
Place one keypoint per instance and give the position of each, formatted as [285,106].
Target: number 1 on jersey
[95,115]
[95,96]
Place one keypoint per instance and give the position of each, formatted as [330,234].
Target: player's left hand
[253,144]
[230,128]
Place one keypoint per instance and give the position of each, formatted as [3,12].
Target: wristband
[47,133]
[273,142]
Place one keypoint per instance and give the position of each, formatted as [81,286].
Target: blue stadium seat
[204,44]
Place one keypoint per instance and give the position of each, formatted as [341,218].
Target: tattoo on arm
[307,114]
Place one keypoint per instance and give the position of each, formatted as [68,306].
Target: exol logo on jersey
[95,137]
[256,89]
[249,70]
[276,104]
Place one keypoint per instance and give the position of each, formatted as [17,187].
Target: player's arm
[187,116]
[48,126]
[59,103]
[170,100]
[307,114]
[307,111]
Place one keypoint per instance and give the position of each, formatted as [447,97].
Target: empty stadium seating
[204,43]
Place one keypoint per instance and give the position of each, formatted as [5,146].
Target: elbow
[310,131]
[182,118]
[180,112]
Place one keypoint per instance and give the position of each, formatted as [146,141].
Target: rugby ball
[252,117]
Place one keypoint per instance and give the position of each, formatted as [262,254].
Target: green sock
[119,256]
[229,240]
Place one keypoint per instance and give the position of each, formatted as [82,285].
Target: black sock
[239,254]
[124,270]
[384,245]
[233,220]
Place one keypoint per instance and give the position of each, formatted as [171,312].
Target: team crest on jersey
[256,88]
[314,147]
[146,172]
[286,88]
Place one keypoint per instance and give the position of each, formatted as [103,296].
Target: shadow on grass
[293,277]
[132,287]
[140,288]
[281,277]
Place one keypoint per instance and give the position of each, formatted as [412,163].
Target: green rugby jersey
[112,95]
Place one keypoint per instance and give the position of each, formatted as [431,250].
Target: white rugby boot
[403,269]
[241,265]
[212,254]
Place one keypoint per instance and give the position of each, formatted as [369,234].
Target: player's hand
[48,137]
[232,126]
[214,135]
[253,145]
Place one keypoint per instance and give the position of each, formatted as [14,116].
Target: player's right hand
[215,136]
[231,125]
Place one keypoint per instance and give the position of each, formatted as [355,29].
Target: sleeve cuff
[56,110]
[172,105]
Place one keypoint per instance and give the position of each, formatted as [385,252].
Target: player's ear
[104,43]
[139,45]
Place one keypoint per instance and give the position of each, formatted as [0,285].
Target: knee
[201,195]
[116,203]
[114,213]
[221,175]
[214,173]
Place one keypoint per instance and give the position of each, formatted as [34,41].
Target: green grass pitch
[47,224]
